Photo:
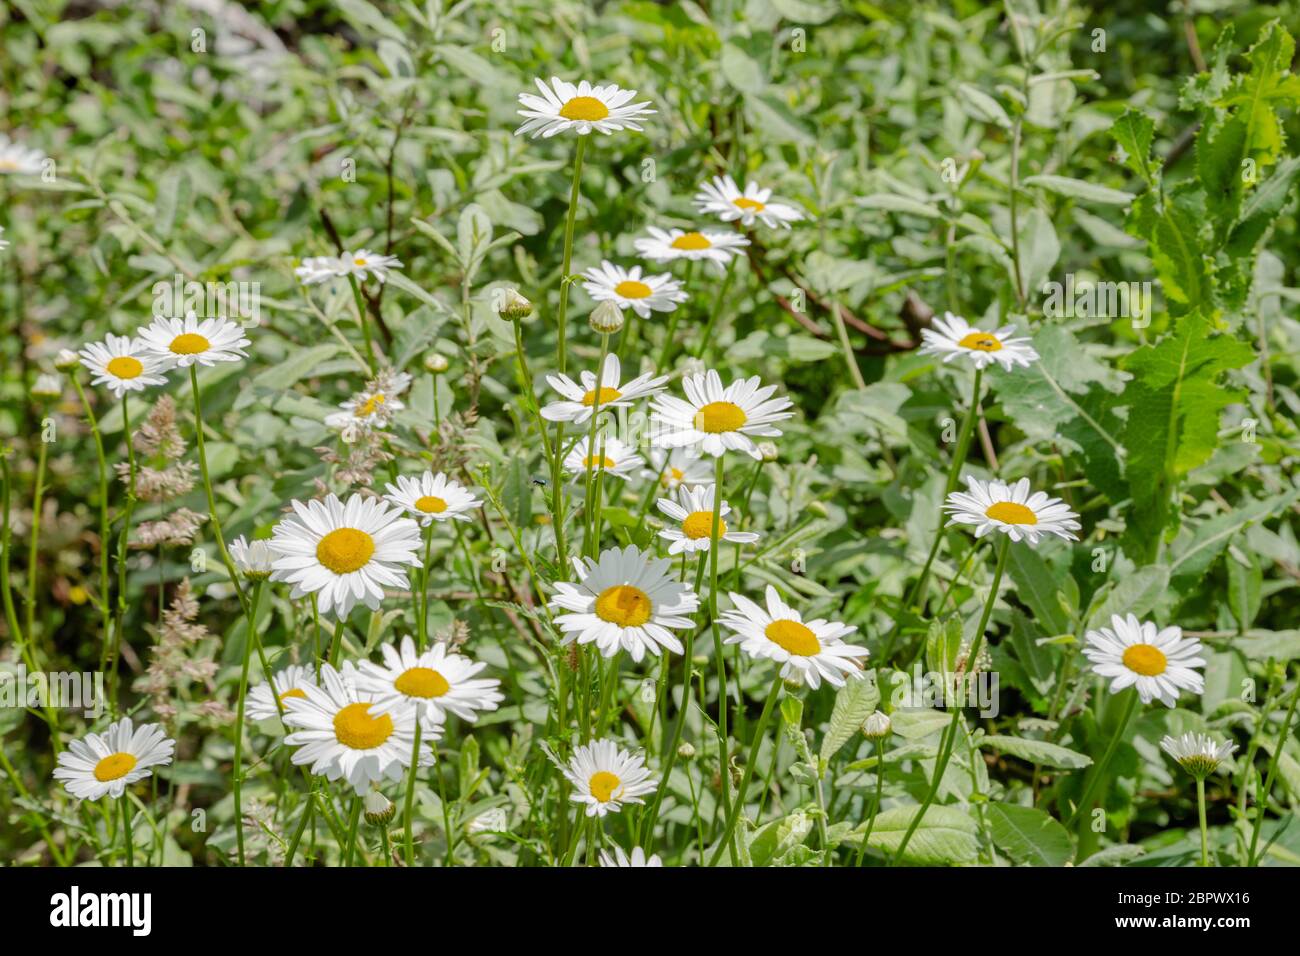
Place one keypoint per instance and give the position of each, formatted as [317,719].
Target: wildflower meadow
[756,433]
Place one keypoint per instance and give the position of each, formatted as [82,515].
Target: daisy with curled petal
[252,558]
[108,763]
[579,400]
[363,263]
[375,406]
[429,498]
[953,336]
[123,364]
[693,513]
[314,270]
[637,858]
[677,467]
[611,456]
[717,418]
[283,685]
[343,734]
[808,651]
[666,246]
[1198,754]
[1159,662]
[604,777]
[344,553]
[18,159]
[181,343]
[436,680]
[724,199]
[582,108]
[629,289]
[1011,509]
[626,599]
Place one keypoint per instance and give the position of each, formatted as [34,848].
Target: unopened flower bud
[768,450]
[47,385]
[514,306]
[379,809]
[877,726]
[686,751]
[66,359]
[436,363]
[606,318]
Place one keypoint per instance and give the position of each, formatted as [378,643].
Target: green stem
[1261,800]
[33,551]
[207,488]
[123,540]
[122,802]
[410,796]
[1099,771]
[705,341]
[364,322]
[104,612]
[250,639]
[875,805]
[759,729]
[1200,811]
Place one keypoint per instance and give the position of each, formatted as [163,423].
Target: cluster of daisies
[125,363]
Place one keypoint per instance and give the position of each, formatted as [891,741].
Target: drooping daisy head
[108,763]
[626,600]
[721,197]
[808,651]
[629,289]
[437,679]
[582,108]
[122,364]
[314,270]
[678,466]
[608,454]
[953,336]
[343,734]
[636,858]
[604,777]
[579,401]
[252,558]
[1012,510]
[692,521]
[672,244]
[344,553]
[717,418]
[428,498]
[1198,754]
[18,159]
[284,685]
[180,343]
[363,263]
[1158,663]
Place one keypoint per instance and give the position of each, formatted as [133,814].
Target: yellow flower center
[607,395]
[359,262]
[421,682]
[345,550]
[793,637]
[355,728]
[124,366]
[114,767]
[740,202]
[190,343]
[292,692]
[692,240]
[981,342]
[8,165]
[603,784]
[1145,659]
[1008,512]
[430,505]
[717,417]
[699,524]
[604,462]
[669,475]
[585,108]
[371,405]
[78,595]
[631,289]
[624,605]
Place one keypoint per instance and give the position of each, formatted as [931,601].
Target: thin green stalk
[875,805]
[570,217]
[250,639]
[702,346]
[33,548]
[6,593]
[105,614]
[1099,770]
[308,812]
[759,730]
[354,815]
[124,538]
[364,322]
[1261,799]
[589,546]
[715,546]
[122,802]
[846,347]
[207,488]
[1200,812]
[410,796]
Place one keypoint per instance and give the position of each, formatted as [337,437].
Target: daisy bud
[47,386]
[877,726]
[66,359]
[1198,754]
[379,809]
[686,751]
[436,363]
[793,685]
[606,318]
[514,306]
[768,450]
[252,558]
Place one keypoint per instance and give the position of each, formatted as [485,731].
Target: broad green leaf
[1134,131]
[981,106]
[1037,751]
[1079,189]
[945,837]
[854,702]
[1135,593]
[1029,836]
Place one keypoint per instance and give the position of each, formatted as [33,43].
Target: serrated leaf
[1029,835]
[945,836]
[854,702]
[1037,751]
[1134,132]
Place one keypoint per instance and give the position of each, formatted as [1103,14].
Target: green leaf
[1135,593]
[1037,751]
[853,704]
[740,70]
[1079,189]
[301,364]
[945,837]
[1036,586]
[1134,131]
[981,106]
[1029,835]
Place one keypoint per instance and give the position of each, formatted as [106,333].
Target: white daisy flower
[18,159]
[582,108]
[717,247]
[1158,662]
[252,558]
[612,456]
[627,599]
[363,262]
[344,553]
[809,651]
[579,400]
[284,684]
[438,679]
[638,858]
[604,777]
[1198,754]
[997,506]
[108,763]
[343,734]
[693,512]
[629,289]
[678,466]
[717,418]
[724,199]
[181,343]
[954,336]
[431,497]
[316,269]
[123,364]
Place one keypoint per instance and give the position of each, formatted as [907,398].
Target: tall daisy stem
[759,730]
[123,540]
[702,346]
[207,488]
[250,639]
[569,219]
[1261,799]
[410,795]
[875,804]
[1099,771]
[591,546]
[38,490]
[715,545]
[105,614]
[128,836]
[1200,812]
